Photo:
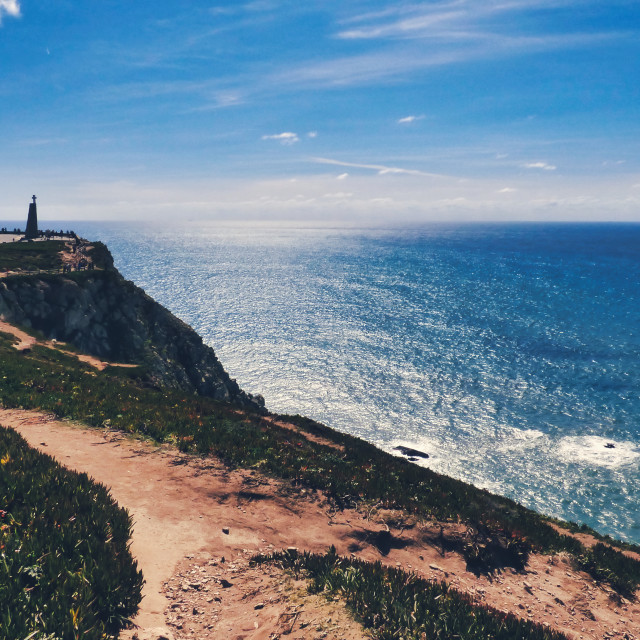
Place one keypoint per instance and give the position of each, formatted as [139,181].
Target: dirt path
[25,341]
[197,525]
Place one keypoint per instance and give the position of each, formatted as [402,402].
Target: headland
[217,485]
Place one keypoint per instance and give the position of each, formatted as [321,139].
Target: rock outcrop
[104,315]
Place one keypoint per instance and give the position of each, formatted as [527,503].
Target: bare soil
[26,341]
[197,524]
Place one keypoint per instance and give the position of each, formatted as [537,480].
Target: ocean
[509,353]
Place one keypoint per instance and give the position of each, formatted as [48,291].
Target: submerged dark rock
[411,453]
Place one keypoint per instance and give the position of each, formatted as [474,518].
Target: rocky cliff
[104,315]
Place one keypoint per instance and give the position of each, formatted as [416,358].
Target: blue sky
[329,111]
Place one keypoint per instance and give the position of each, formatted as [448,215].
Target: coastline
[404,507]
[198,523]
[505,407]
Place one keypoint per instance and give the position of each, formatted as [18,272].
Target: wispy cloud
[410,26]
[9,7]
[338,195]
[259,6]
[455,30]
[286,138]
[397,63]
[380,168]
[42,142]
[361,69]
[540,165]
[451,18]
[424,35]
[409,119]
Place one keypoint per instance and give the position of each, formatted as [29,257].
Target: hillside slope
[104,315]
[500,560]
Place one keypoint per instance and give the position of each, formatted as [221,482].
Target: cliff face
[104,315]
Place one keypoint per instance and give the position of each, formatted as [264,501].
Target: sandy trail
[25,341]
[183,508]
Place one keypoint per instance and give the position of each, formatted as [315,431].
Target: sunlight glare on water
[509,353]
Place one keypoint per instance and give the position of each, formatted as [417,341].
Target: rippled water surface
[511,354]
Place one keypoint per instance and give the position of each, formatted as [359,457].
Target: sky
[330,112]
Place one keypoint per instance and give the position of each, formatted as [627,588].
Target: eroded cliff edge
[102,314]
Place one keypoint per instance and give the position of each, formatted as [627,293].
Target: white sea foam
[524,437]
[593,450]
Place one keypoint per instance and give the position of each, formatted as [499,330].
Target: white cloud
[380,168]
[507,190]
[339,195]
[312,134]
[286,137]
[409,119]
[306,197]
[10,7]
[342,176]
[540,165]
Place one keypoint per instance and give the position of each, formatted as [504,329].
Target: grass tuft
[394,604]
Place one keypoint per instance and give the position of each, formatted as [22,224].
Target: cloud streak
[397,63]
[409,119]
[540,165]
[451,19]
[379,168]
[389,46]
[286,138]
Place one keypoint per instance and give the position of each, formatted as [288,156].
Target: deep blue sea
[509,353]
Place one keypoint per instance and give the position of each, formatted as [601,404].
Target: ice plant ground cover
[65,566]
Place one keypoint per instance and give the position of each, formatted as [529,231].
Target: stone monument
[32,221]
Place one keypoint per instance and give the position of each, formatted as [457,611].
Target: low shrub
[395,604]
[605,564]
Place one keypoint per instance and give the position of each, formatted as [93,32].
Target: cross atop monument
[34,199]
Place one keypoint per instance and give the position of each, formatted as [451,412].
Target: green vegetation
[100,256]
[501,532]
[605,564]
[65,566]
[574,527]
[45,256]
[394,604]
[31,256]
